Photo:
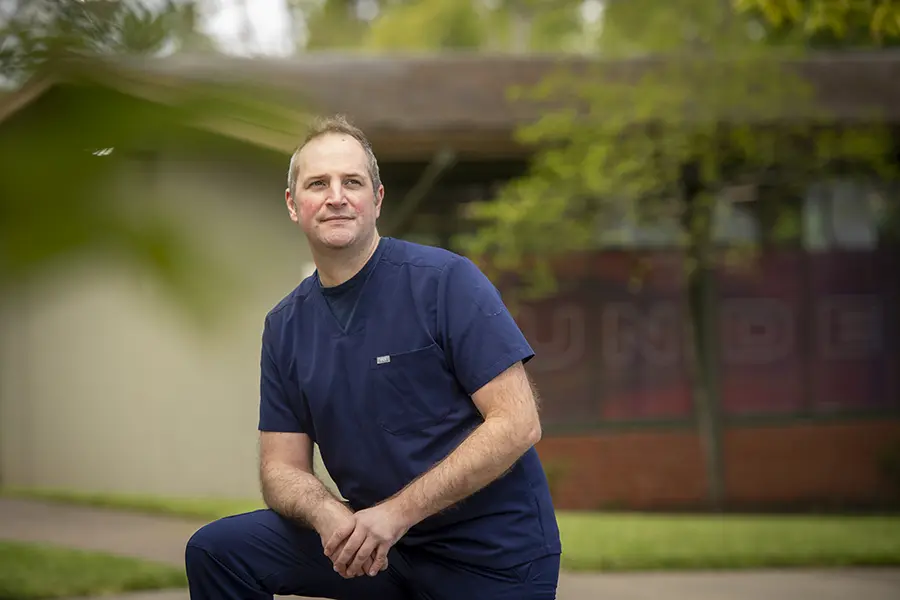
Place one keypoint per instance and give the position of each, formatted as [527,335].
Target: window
[734,223]
[843,214]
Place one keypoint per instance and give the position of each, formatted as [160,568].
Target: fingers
[371,567]
[340,535]
[380,562]
[349,551]
[363,556]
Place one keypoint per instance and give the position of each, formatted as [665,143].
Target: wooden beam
[440,162]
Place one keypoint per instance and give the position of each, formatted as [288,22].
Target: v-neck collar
[357,316]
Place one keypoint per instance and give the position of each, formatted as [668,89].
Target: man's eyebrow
[309,178]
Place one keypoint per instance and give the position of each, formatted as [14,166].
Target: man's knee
[221,560]
[218,539]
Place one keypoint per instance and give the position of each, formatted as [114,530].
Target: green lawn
[628,541]
[614,542]
[32,572]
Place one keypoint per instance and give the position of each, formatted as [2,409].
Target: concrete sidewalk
[162,539]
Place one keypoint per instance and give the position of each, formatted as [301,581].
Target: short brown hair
[335,124]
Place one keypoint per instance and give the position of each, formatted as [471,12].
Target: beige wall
[104,384]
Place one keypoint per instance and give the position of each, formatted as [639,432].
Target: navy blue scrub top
[379,373]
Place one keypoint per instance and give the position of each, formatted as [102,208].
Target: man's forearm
[488,452]
[295,493]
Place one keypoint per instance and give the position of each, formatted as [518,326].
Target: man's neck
[337,266]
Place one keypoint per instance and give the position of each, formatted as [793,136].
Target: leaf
[63,155]
[794,10]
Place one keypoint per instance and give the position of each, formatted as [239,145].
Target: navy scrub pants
[255,555]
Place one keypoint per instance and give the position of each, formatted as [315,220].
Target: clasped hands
[358,543]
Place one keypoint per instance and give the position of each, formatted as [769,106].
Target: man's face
[333,200]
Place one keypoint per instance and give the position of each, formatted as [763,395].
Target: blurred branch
[439,164]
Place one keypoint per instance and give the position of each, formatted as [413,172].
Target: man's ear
[379,198]
[291,205]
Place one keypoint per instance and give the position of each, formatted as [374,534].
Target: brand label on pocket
[382,360]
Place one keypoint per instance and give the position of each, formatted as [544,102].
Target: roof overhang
[414,106]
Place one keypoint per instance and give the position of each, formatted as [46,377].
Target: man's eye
[315,183]
[354,182]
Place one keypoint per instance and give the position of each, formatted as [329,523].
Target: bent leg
[255,555]
[439,579]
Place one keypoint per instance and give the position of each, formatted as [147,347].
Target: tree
[661,141]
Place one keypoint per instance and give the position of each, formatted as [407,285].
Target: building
[103,387]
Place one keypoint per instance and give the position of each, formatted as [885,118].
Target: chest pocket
[410,390]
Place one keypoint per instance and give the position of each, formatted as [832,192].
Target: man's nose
[336,194]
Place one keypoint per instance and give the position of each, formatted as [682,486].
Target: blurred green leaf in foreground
[71,128]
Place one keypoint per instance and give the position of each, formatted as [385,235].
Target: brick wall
[798,465]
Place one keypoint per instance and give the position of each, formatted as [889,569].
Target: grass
[33,572]
[635,542]
[632,542]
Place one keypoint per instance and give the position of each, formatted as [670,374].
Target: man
[403,364]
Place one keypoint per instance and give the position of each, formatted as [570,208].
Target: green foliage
[74,184]
[627,27]
[636,27]
[430,25]
[39,32]
[828,23]
[63,196]
[621,162]
[534,25]
[659,143]
[331,24]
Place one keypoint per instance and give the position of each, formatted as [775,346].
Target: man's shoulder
[430,259]
[290,303]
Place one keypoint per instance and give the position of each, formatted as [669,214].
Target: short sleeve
[481,339]
[277,407]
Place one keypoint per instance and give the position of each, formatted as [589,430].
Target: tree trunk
[703,343]
[703,313]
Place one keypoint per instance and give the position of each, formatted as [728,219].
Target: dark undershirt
[342,298]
